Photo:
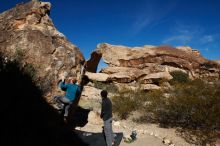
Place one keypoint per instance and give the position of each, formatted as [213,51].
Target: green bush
[153,107]
[196,105]
[106,86]
[127,101]
[193,106]
[179,77]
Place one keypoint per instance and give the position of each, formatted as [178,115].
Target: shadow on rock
[26,118]
[80,118]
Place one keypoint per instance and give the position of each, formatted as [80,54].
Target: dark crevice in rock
[92,63]
[173,64]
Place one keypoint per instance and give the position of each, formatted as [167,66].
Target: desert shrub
[193,106]
[126,101]
[110,87]
[156,81]
[196,108]
[155,106]
[196,105]
[179,77]
[159,81]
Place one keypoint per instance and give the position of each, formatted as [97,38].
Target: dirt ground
[147,134]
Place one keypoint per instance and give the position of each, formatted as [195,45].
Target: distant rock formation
[28,31]
[144,64]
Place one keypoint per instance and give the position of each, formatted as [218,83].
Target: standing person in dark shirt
[106,115]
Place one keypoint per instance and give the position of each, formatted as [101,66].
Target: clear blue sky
[86,23]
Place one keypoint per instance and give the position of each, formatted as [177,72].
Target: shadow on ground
[79,118]
[26,118]
[97,139]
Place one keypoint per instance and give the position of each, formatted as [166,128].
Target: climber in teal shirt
[72,91]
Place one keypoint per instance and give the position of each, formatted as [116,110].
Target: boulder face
[27,32]
[217,61]
[148,63]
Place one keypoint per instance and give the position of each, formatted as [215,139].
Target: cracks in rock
[162,58]
[53,43]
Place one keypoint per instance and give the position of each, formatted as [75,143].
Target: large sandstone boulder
[155,76]
[150,87]
[90,92]
[101,77]
[27,32]
[124,74]
[148,63]
[137,57]
[189,50]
